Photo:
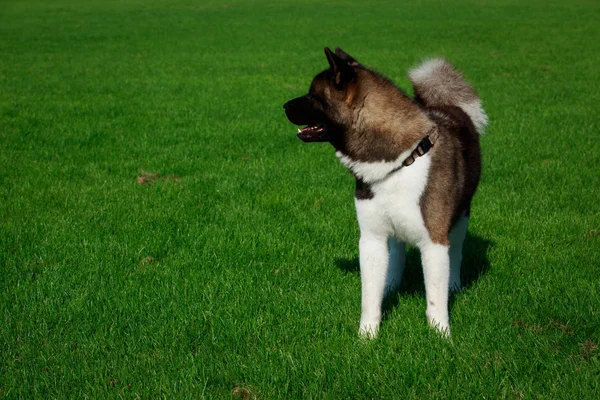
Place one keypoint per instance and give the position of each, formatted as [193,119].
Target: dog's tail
[437,83]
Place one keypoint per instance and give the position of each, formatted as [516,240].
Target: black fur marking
[363,190]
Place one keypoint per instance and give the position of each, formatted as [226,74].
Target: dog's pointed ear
[343,73]
[346,57]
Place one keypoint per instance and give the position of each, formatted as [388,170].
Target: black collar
[422,148]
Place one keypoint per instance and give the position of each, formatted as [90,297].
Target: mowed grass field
[163,234]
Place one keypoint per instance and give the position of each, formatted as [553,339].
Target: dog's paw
[442,328]
[368,330]
[443,332]
[438,319]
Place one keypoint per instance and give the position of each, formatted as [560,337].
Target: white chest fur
[394,209]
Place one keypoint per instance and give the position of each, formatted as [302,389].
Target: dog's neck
[396,124]
[395,127]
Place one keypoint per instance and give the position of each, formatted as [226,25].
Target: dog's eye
[315,100]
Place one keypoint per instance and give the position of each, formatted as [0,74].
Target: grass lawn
[163,233]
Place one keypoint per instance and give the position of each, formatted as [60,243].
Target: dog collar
[422,148]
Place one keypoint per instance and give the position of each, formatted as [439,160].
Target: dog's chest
[394,208]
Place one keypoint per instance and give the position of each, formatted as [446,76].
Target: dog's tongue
[310,132]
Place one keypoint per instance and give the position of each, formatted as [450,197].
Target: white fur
[436,272]
[395,210]
[373,271]
[372,171]
[477,114]
[426,69]
[388,220]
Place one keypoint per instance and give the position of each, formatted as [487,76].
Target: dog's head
[326,111]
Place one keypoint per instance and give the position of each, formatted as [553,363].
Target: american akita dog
[417,165]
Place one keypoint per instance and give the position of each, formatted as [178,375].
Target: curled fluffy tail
[438,83]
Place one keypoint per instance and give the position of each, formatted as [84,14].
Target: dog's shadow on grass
[474,265]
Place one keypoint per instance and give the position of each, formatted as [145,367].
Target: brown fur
[379,122]
[454,174]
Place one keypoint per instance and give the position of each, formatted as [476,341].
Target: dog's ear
[346,57]
[343,73]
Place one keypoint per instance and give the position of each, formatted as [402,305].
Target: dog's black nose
[285,106]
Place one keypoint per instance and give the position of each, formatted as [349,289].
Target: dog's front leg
[373,272]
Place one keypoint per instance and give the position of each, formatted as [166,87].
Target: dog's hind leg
[436,271]
[395,265]
[457,239]
[374,260]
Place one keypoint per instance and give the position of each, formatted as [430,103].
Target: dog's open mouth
[313,133]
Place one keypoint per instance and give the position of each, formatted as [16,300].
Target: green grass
[234,269]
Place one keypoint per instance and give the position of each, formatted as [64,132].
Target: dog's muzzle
[300,111]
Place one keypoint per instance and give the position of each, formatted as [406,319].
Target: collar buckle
[424,146]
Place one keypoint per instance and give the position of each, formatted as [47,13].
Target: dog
[417,165]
